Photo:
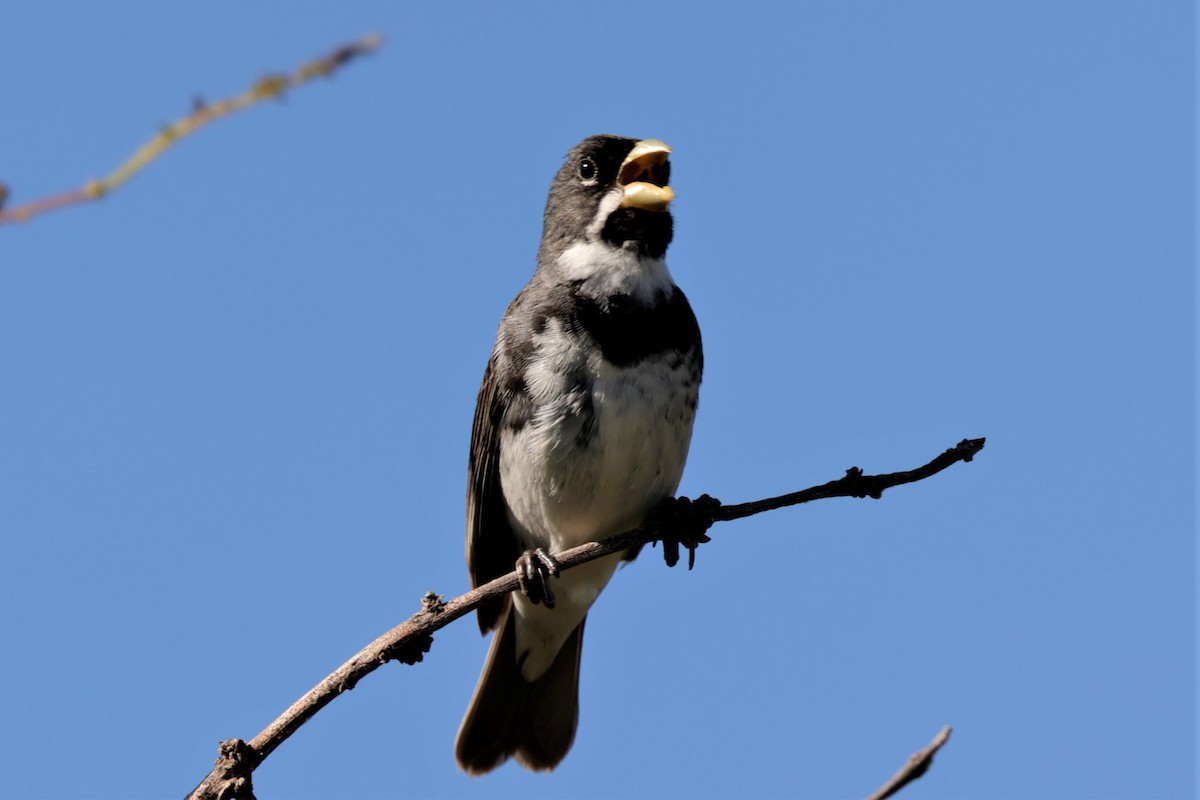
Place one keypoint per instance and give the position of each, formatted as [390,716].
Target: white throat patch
[606,270]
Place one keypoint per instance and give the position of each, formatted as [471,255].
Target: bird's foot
[685,522]
[534,570]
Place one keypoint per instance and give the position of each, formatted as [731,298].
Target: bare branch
[266,88]
[917,765]
[411,639]
[855,484]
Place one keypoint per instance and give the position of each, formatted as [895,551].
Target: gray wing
[492,546]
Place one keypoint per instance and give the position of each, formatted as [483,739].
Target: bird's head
[614,191]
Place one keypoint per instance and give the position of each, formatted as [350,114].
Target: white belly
[586,468]
[590,464]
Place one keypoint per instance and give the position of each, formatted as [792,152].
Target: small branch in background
[917,765]
[266,88]
[411,639]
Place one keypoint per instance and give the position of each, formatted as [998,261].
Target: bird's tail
[509,716]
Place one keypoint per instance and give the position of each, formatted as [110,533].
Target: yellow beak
[643,176]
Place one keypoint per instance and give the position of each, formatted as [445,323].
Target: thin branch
[917,765]
[855,484]
[411,639]
[266,88]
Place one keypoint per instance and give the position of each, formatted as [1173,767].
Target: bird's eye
[587,170]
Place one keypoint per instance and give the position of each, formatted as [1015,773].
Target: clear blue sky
[235,397]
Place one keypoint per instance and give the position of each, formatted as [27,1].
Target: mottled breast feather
[629,332]
[626,331]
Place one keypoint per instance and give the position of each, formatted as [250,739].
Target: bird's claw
[534,570]
[684,522]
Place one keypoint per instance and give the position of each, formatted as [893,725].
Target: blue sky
[235,397]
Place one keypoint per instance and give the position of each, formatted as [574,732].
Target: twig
[266,88]
[917,765]
[855,484]
[411,639]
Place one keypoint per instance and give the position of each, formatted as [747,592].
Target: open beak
[644,175]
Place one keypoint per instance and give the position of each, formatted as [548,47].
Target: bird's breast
[604,444]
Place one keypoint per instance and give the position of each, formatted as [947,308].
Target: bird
[582,427]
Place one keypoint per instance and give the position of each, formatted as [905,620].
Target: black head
[611,189]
